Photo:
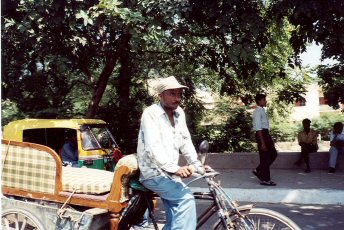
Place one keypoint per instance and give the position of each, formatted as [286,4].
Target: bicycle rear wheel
[261,218]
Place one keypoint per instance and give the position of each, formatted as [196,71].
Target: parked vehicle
[96,145]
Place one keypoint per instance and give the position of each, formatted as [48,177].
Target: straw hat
[169,83]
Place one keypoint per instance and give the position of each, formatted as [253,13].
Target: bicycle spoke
[6,223]
[269,220]
[16,221]
[24,224]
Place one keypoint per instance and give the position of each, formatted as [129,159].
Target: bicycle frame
[211,209]
[230,214]
[204,216]
[215,205]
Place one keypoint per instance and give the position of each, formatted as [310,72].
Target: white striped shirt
[159,142]
[260,119]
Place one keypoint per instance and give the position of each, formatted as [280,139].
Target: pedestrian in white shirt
[163,135]
[337,145]
[266,146]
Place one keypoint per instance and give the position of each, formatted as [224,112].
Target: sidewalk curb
[282,195]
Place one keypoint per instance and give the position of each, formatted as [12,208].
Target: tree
[92,58]
[320,22]
[228,127]
[76,47]
[226,37]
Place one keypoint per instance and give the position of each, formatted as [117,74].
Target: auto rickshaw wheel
[17,219]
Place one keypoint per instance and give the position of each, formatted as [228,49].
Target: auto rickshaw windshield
[97,137]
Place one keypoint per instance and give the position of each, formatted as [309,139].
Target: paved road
[308,217]
[313,200]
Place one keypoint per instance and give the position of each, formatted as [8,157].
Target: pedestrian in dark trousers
[266,146]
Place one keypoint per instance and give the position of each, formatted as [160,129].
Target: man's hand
[185,171]
[208,168]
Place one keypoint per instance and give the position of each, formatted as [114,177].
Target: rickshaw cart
[41,194]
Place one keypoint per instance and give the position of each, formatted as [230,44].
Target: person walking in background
[307,139]
[336,145]
[266,146]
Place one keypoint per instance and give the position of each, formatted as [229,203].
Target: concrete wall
[285,160]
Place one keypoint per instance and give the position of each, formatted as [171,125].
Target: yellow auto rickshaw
[96,145]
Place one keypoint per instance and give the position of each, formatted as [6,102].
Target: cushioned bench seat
[95,181]
[86,180]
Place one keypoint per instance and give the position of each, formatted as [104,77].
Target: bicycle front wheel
[261,218]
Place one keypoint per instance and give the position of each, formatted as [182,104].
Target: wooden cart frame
[14,164]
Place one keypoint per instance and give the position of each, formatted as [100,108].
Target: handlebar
[205,175]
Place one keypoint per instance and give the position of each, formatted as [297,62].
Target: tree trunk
[110,64]
[99,88]
[124,96]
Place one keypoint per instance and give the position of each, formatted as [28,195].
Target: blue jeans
[333,157]
[179,203]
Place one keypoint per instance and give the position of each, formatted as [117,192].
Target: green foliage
[283,130]
[332,81]
[93,59]
[9,112]
[232,130]
[324,124]
[227,38]
[320,22]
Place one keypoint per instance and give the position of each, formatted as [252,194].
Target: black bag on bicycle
[133,213]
